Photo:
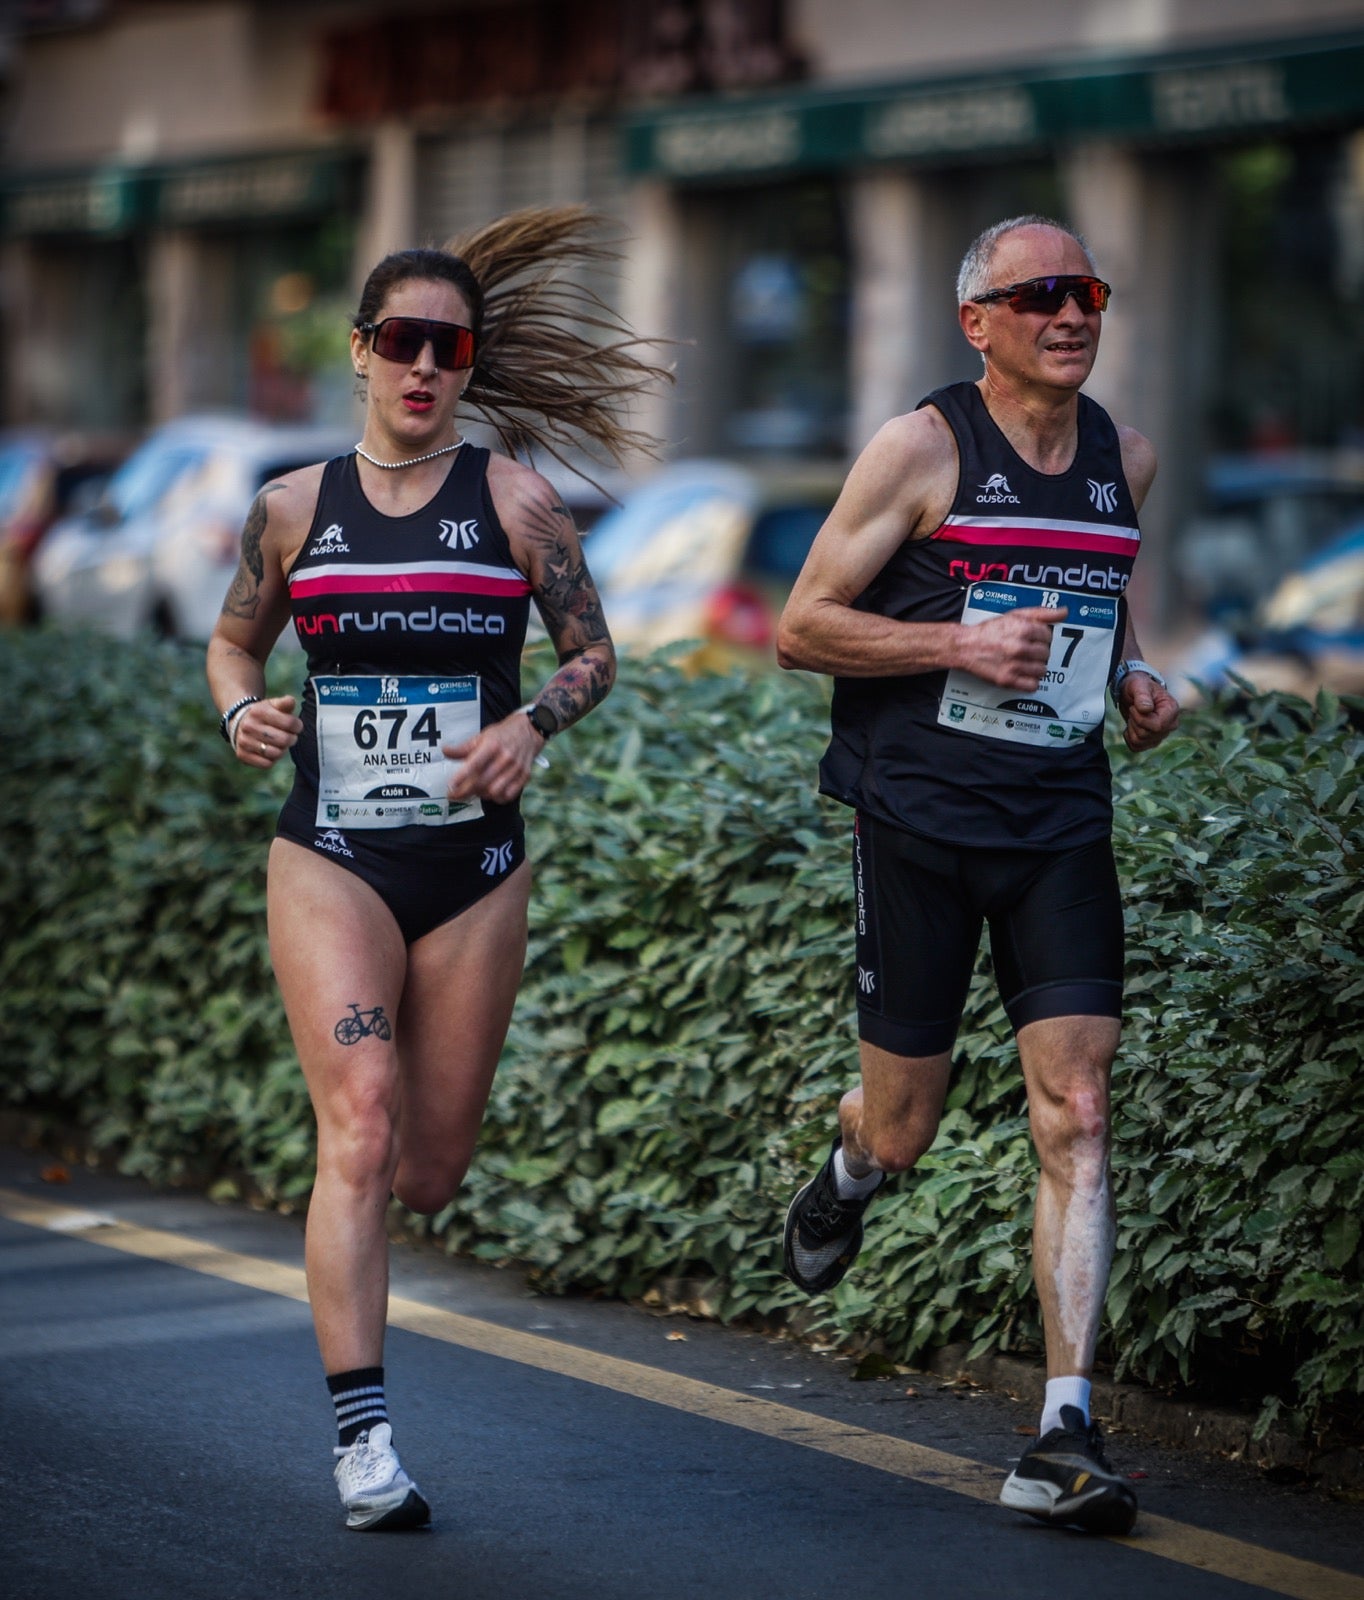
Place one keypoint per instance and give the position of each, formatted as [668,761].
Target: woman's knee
[358,1134]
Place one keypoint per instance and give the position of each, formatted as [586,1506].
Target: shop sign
[1195,95]
[1219,97]
[101,203]
[268,187]
[730,144]
[968,119]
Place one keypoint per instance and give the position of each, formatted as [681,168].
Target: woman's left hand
[497,760]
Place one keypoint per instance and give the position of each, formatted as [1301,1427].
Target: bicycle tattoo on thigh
[351,1029]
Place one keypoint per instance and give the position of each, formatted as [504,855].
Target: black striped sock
[359,1400]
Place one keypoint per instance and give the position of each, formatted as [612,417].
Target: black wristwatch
[543,720]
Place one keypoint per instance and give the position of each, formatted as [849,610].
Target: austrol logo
[997,492]
[1103,496]
[459,535]
[334,842]
[330,542]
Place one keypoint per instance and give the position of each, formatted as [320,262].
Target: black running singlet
[944,753]
[435,592]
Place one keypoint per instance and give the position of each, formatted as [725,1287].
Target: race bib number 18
[379,750]
[1069,702]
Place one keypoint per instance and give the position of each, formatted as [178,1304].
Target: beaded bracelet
[225,721]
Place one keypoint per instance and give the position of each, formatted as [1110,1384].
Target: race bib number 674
[379,739]
[1069,702]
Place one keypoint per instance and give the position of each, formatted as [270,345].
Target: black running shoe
[823,1231]
[1064,1479]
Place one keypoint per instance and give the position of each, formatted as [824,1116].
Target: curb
[1129,1407]
[1214,1430]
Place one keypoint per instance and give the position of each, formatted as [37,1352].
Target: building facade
[193,192]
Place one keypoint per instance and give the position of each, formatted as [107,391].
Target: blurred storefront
[1220,184]
[192,194]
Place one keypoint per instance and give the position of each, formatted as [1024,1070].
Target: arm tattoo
[581,683]
[243,598]
[568,603]
[565,594]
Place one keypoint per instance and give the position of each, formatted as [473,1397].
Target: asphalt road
[167,1434]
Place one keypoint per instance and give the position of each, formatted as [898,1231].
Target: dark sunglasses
[404,338]
[1050,294]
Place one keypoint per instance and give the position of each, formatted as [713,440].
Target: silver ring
[262,747]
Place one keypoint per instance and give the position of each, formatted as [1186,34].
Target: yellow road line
[1158,1536]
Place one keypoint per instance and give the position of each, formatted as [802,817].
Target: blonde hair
[556,366]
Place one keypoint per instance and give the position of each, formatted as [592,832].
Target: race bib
[379,750]
[1069,702]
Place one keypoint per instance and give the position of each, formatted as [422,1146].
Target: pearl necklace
[414,461]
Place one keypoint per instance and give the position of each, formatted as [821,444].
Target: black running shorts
[425,876]
[1056,934]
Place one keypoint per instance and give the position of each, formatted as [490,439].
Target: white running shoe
[375,1491]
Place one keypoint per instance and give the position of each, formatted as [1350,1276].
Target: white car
[159,549]
[707,551]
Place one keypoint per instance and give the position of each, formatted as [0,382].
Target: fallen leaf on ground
[874,1365]
[55,1174]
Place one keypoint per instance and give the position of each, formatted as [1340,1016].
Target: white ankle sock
[1064,1392]
[849,1187]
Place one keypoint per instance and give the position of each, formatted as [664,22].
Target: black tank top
[435,591]
[939,753]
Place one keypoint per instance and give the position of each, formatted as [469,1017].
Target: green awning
[103,202]
[260,188]
[1247,90]
[115,200]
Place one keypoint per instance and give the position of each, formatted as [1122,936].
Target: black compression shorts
[425,876]
[1056,934]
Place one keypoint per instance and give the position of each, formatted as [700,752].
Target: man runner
[966,594]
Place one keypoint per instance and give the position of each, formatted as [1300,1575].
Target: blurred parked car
[159,548]
[1261,517]
[44,475]
[708,550]
[1309,633]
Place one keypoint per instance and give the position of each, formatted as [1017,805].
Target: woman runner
[398,879]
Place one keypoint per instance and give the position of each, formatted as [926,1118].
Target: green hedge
[686,1022]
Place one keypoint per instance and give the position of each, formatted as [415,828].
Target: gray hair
[973,276]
